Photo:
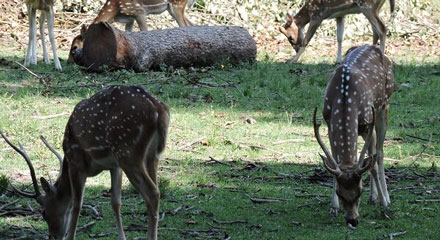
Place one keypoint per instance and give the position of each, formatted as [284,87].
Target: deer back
[363,80]
[117,122]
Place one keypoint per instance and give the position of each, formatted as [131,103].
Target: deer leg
[340,37]
[310,32]
[129,26]
[375,37]
[77,182]
[29,59]
[178,13]
[143,183]
[374,174]
[141,22]
[116,176]
[43,41]
[381,127]
[50,20]
[377,25]
[373,183]
[34,38]
[335,200]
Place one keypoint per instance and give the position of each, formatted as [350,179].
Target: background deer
[121,128]
[46,9]
[128,11]
[359,88]
[316,11]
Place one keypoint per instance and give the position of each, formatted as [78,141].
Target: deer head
[54,207]
[292,31]
[120,129]
[349,174]
[75,52]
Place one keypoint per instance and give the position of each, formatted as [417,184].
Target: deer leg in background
[43,41]
[340,37]
[375,37]
[310,32]
[50,20]
[129,26]
[141,22]
[374,171]
[31,51]
[335,200]
[377,26]
[116,177]
[381,131]
[178,13]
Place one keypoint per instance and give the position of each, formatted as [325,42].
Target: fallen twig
[176,210]
[50,116]
[292,140]
[86,226]
[8,204]
[268,200]
[29,71]
[100,235]
[199,140]
[424,200]
[95,212]
[229,222]
[392,235]
[213,160]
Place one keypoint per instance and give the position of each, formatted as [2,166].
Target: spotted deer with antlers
[120,129]
[46,14]
[316,11]
[356,104]
[128,11]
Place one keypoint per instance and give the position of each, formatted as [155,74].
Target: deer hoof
[334,212]
[372,201]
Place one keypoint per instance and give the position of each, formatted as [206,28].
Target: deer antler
[359,168]
[23,153]
[336,171]
[60,159]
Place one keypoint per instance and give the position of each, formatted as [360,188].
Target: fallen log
[199,46]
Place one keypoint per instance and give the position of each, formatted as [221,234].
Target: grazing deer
[316,11]
[128,11]
[46,8]
[359,88]
[121,128]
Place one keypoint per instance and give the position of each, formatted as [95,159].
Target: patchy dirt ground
[409,42]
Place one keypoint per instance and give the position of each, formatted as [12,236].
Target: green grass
[281,98]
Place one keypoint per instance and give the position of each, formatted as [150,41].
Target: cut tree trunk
[200,46]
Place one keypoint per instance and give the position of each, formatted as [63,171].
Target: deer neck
[62,184]
[343,133]
[302,17]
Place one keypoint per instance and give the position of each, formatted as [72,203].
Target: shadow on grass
[269,92]
[220,199]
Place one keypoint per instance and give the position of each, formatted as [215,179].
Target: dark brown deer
[315,11]
[47,14]
[128,11]
[356,104]
[121,128]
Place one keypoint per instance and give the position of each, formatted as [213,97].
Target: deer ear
[84,28]
[289,18]
[48,189]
